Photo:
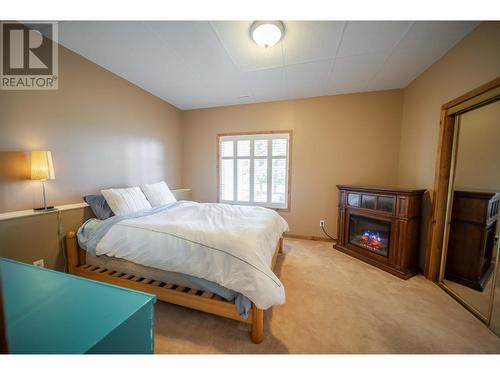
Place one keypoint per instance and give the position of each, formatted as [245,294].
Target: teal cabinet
[53,312]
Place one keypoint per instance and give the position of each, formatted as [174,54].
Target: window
[253,169]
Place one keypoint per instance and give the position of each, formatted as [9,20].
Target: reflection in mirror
[495,316]
[471,253]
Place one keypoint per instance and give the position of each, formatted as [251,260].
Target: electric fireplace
[380,226]
[370,234]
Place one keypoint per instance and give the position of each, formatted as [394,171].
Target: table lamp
[42,169]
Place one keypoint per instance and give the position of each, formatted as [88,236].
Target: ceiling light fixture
[267,33]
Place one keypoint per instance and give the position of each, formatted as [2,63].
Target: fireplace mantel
[380,226]
[381,190]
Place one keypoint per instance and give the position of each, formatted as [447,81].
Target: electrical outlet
[39,263]
[321,223]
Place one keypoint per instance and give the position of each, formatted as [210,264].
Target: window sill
[281,209]
[287,209]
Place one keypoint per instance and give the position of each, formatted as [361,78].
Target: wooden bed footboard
[176,294]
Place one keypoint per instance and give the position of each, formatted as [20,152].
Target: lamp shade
[41,166]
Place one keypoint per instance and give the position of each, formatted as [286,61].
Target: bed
[210,257]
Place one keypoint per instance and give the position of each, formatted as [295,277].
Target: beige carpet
[335,304]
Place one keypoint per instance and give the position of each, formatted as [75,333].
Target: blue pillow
[99,206]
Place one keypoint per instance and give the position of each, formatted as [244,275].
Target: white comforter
[226,244]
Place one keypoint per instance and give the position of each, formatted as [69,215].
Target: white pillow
[122,201]
[158,194]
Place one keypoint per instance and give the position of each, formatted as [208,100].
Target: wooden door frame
[444,161]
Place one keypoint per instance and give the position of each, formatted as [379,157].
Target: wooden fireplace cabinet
[400,208]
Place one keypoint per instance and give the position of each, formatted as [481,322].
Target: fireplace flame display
[370,234]
[372,239]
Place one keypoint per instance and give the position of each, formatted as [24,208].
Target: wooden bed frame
[176,294]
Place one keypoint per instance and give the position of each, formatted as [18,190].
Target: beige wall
[471,63]
[345,139]
[102,131]
[478,151]
[41,236]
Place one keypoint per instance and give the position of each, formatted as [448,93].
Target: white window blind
[253,169]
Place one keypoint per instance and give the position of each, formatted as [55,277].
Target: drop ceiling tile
[361,37]
[268,85]
[425,34]
[305,80]
[414,54]
[209,92]
[229,101]
[354,71]
[234,90]
[128,49]
[247,56]
[205,64]
[306,41]
[197,44]
[403,66]
[183,95]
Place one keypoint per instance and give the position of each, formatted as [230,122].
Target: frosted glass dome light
[267,33]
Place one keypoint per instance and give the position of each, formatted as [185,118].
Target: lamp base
[41,209]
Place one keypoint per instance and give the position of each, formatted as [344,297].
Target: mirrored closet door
[469,265]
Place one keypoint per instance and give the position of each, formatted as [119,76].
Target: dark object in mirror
[472,238]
